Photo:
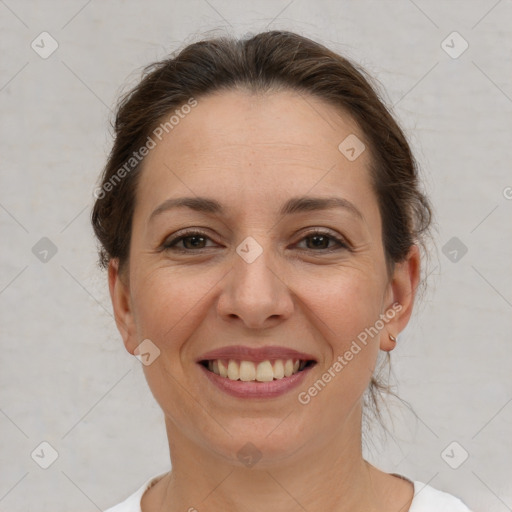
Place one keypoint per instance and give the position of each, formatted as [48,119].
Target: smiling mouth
[249,371]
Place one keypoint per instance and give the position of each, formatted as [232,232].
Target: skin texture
[252,153]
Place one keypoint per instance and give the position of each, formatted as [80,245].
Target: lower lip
[271,389]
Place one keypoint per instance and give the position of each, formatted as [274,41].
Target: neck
[327,474]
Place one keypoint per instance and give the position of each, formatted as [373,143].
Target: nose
[255,293]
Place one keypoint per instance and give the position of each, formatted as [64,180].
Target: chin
[261,442]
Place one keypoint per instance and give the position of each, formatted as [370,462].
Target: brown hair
[267,61]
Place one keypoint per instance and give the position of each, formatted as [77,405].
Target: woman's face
[259,277]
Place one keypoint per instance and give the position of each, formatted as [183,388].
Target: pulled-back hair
[265,62]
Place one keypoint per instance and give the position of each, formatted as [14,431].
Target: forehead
[265,145]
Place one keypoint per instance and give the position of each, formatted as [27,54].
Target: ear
[400,296]
[121,303]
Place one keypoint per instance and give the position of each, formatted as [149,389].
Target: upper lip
[259,354]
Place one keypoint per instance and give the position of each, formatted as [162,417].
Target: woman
[261,220]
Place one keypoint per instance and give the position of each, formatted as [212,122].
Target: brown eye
[189,242]
[195,241]
[319,241]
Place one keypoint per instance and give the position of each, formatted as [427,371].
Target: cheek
[170,302]
[170,306]
[343,310]
[347,299]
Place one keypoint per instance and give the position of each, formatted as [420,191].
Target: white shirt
[426,499]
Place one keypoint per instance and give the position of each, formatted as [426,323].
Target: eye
[191,240]
[320,241]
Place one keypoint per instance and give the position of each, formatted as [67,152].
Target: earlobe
[401,294]
[387,345]
[121,304]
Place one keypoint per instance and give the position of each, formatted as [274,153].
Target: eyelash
[170,245]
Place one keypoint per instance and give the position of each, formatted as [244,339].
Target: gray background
[65,377]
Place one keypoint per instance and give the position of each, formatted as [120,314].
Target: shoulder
[428,499]
[132,503]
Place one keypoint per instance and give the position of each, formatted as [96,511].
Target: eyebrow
[293,205]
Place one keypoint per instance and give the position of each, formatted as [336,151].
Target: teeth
[288,367]
[233,370]
[248,371]
[223,370]
[278,369]
[264,372]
